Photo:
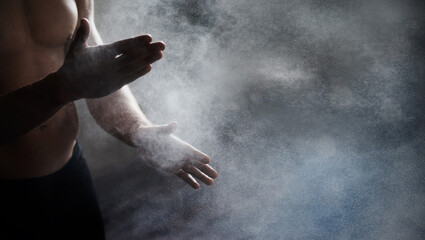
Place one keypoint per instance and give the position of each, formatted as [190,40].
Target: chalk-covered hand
[167,152]
[93,72]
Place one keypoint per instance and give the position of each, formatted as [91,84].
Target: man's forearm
[24,109]
[118,114]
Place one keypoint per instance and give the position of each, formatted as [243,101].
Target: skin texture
[46,65]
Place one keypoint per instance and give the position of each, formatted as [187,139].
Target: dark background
[312,112]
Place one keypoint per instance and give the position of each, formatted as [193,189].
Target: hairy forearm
[24,109]
[118,114]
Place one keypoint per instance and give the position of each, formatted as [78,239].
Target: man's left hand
[167,152]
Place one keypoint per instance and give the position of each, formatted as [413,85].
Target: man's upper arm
[86,10]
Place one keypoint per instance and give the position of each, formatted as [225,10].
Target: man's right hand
[93,72]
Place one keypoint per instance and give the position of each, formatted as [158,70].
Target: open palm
[167,152]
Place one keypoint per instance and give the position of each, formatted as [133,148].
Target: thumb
[81,35]
[166,129]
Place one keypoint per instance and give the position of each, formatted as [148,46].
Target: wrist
[61,81]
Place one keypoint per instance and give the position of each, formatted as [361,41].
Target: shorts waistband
[76,155]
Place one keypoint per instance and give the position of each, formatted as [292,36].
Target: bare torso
[33,39]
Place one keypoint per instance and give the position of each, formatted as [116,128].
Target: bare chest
[35,23]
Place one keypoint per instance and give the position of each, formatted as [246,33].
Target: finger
[154,57]
[188,178]
[207,169]
[125,67]
[200,156]
[131,76]
[145,38]
[81,35]
[160,46]
[138,57]
[200,164]
[128,44]
[151,52]
[198,174]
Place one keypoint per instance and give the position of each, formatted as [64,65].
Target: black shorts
[61,205]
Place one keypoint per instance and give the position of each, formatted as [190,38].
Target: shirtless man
[46,64]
